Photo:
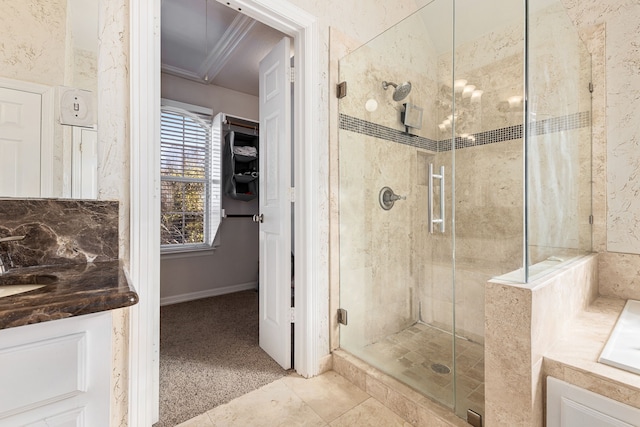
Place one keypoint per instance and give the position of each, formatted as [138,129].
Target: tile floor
[409,355]
[331,400]
[325,400]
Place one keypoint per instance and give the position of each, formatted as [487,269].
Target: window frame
[212,214]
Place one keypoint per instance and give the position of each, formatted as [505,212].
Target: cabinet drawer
[42,372]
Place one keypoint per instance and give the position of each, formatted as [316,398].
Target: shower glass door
[443,139]
[396,229]
[489,178]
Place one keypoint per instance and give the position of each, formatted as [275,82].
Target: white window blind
[190,180]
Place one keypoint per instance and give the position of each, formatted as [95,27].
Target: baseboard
[208,293]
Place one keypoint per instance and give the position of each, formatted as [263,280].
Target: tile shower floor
[415,356]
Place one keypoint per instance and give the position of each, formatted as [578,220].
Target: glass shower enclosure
[464,155]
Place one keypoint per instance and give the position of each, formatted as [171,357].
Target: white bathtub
[623,347]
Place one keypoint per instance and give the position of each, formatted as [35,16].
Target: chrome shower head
[400,92]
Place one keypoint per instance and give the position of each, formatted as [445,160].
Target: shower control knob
[387,198]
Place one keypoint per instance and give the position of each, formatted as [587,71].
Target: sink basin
[7,290]
[13,284]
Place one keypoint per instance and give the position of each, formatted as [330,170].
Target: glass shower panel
[396,279]
[489,158]
[559,140]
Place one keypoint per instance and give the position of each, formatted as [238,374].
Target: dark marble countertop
[70,290]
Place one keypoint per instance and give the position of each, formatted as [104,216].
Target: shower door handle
[431,218]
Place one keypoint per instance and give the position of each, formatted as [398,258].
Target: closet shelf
[244,159]
[240,171]
[244,178]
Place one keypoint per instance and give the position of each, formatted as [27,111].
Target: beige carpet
[209,355]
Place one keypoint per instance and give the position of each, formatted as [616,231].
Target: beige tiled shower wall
[488,212]
[559,162]
[608,29]
[378,275]
[381,252]
[392,270]
[395,56]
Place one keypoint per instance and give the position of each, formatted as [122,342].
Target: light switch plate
[76,107]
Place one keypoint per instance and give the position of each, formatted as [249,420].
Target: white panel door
[20,117]
[275,205]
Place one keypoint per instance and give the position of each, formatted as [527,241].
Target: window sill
[186,252]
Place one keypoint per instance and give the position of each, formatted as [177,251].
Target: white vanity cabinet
[56,373]
[571,406]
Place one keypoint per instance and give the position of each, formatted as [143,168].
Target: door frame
[311,296]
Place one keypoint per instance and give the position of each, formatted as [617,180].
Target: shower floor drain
[439,368]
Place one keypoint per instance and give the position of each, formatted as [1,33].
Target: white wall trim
[47,129]
[144,121]
[312,283]
[47,145]
[175,299]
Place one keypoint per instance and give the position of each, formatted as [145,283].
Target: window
[190,178]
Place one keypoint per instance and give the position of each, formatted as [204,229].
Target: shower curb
[407,403]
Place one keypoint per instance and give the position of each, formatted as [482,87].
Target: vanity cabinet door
[56,373]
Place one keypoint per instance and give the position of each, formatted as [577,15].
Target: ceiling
[211,43]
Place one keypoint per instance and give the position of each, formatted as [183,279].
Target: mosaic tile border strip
[542,127]
[364,127]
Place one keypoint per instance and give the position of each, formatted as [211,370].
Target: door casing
[310,194]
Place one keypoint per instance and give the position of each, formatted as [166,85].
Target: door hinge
[591,219]
[474,418]
[341,90]
[292,77]
[293,314]
[292,194]
[591,87]
[342,316]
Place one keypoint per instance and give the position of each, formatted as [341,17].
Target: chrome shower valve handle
[387,198]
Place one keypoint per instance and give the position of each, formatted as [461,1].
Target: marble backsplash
[59,231]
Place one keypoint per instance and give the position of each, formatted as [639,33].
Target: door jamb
[311,287]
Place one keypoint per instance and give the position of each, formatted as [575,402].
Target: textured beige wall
[114,170]
[37,54]
[37,46]
[609,30]
[559,162]
[382,252]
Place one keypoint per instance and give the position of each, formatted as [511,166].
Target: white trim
[312,288]
[47,129]
[144,122]
[312,282]
[186,250]
[219,55]
[175,71]
[208,293]
[47,145]
[166,102]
